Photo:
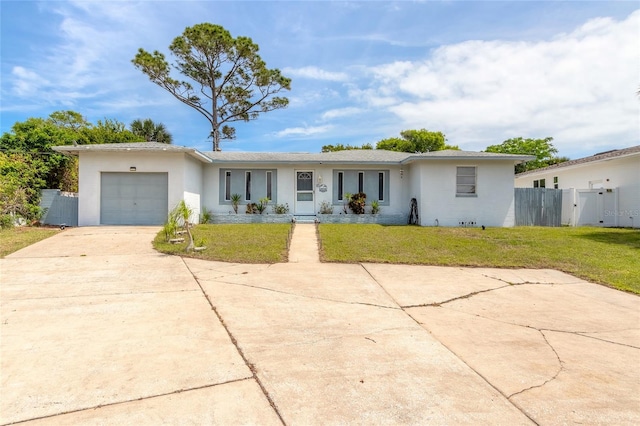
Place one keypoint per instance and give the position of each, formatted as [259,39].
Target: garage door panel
[133,198]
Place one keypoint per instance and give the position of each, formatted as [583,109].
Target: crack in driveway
[326,299]
[555,376]
[466,296]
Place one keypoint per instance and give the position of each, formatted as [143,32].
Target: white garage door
[134,198]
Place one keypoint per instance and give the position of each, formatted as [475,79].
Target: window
[542,183]
[536,183]
[555,182]
[247,183]
[466,180]
[374,183]
[227,186]
[269,186]
[305,181]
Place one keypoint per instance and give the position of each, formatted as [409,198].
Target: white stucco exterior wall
[286,177]
[438,204]
[193,186]
[92,164]
[621,174]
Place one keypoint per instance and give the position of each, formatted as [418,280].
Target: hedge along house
[139,183]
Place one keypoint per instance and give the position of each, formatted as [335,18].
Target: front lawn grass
[13,239]
[602,255]
[236,243]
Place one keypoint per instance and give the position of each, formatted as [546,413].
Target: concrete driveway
[98,328]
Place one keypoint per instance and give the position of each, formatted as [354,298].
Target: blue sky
[480,72]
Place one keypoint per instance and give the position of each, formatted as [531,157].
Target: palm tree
[151,131]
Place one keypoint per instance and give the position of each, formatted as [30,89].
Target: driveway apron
[97,327]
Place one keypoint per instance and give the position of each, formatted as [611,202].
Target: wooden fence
[60,208]
[538,206]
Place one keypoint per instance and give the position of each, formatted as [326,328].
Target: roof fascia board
[561,167]
[75,150]
[515,159]
[293,162]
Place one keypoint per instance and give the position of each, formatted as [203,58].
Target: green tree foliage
[421,140]
[151,131]
[29,164]
[109,131]
[34,138]
[230,80]
[542,149]
[20,183]
[341,147]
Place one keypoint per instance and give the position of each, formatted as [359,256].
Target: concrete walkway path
[304,244]
[98,328]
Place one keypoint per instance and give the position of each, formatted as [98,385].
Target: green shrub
[326,207]
[235,201]
[375,207]
[357,202]
[6,221]
[205,216]
[262,205]
[280,208]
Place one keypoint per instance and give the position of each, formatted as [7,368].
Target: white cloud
[303,131]
[341,112]
[578,88]
[315,73]
[26,82]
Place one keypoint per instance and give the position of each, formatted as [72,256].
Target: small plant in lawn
[375,207]
[170,228]
[201,243]
[205,216]
[280,208]
[181,214]
[262,205]
[357,202]
[235,201]
[326,207]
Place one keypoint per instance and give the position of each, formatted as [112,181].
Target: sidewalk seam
[142,398]
[235,343]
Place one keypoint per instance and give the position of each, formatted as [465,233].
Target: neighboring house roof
[602,156]
[355,156]
[132,147]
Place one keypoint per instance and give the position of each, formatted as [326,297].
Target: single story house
[599,190]
[139,183]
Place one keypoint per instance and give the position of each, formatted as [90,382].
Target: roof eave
[516,159]
[332,162]
[579,162]
[75,150]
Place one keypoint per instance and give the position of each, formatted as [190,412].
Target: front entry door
[304,193]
